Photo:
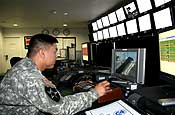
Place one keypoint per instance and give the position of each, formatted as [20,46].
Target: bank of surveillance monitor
[130,64]
[166,55]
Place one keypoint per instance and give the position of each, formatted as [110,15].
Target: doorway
[11,48]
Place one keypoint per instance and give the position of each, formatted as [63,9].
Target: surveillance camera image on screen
[131,10]
[113,31]
[100,35]
[95,36]
[160,2]
[99,24]
[106,33]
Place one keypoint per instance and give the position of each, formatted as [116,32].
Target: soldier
[22,91]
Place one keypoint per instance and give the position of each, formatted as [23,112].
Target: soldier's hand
[103,87]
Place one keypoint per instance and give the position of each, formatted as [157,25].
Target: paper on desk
[115,108]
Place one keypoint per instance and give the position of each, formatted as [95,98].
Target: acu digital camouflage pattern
[22,92]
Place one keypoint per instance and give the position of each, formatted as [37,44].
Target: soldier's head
[43,48]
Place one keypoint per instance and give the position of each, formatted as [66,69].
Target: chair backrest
[14,60]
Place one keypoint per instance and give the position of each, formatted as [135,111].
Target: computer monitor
[106,33]
[144,22]
[162,18]
[131,10]
[130,64]
[160,2]
[100,35]
[105,21]
[131,26]
[166,55]
[144,5]
[85,52]
[121,29]
[120,14]
[95,36]
[113,31]
[94,26]
[112,18]
[99,24]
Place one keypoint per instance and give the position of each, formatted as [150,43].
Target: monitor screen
[160,2]
[94,26]
[112,18]
[100,35]
[144,22]
[105,21]
[95,36]
[166,55]
[85,52]
[120,14]
[130,63]
[113,31]
[106,33]
[131,26]
[99,24]
[162,18]
[121,29]
[131,10]
[144,5]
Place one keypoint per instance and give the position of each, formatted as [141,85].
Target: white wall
[80,34]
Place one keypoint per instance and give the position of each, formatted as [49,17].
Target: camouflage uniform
[22,92]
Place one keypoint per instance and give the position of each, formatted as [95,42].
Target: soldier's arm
[67,105]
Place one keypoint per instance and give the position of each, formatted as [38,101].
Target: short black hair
[38,41]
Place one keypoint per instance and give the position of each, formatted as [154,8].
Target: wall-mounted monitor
[120,14]
[144,22]
[112,18]
[94,26]
[129,63]
[95,36]
[99,24]
[113,31]
[121,29]
[144,5]
[162,18]
[105,21]
[105,33]
[167,57]
[100,35]
[131,26]
[160,2]
[131,10]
